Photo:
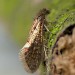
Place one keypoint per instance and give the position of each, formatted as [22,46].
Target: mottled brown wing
[32,53]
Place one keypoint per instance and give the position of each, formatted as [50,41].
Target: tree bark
[62,15]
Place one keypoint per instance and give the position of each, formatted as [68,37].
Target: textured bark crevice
[63,62]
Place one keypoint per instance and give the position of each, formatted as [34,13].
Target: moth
[32,52]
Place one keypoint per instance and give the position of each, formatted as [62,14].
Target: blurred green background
[19,14]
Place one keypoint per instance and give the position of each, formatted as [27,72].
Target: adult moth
[32,53]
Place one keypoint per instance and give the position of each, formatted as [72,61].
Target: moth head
[43,13]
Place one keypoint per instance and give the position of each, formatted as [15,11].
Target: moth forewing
[32,53]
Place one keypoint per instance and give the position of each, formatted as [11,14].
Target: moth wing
[32,55]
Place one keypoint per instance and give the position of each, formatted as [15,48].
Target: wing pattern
[32,53]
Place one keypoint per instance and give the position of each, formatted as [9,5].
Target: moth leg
[46,28]
[47,60]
